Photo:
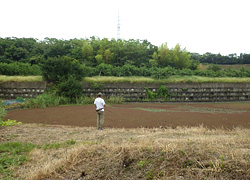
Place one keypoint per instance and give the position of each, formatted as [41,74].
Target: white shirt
[99,102]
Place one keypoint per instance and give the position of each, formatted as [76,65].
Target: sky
[216,26]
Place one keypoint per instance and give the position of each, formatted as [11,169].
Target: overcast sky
[216,26]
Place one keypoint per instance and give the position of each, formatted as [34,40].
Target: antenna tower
[118,27]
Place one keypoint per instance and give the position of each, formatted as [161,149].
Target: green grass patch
[4,78]
[13,154]
[58,145]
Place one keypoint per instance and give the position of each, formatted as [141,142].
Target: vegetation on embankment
[137,79]
[159,153]
[171,79]
[4,78]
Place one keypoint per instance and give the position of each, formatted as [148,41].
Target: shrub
[214,67]
[115,100]
[16,69]
[162,92]
[59,69]
[150,95]
[46,100]
[70,88]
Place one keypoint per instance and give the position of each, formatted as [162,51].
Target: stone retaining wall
[12,90]
[203,92]
[179,92]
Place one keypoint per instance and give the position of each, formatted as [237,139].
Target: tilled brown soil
[134,115]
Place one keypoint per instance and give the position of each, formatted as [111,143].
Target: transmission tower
[118,28]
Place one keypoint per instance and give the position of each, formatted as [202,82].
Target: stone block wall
[12,90]
[179,92]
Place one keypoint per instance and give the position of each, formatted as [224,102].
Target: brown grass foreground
[161,153]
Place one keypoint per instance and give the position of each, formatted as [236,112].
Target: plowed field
[133,115]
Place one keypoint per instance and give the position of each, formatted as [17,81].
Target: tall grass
[200,79]
[4,78]
[136,79]
[113,79]
[171,79]
[46,100]
[2,111]
[51,100]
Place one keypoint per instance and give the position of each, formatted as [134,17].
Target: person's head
[99,94]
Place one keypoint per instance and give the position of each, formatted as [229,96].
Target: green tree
[60,68]
[99,59]
[163,58]
[87,51]
[181,58]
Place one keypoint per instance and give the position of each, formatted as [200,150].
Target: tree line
[93,51]
[95,56]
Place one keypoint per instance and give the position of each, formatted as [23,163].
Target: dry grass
[171,79]
[129,79]
[4,78]
[223,67]
[162,153]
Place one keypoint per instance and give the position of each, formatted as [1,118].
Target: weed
[150,95]
[222,164]
[52,146]
[162,93]
[115,100]
[187,163]
[13,154]
[46,100]
[9,123]
[58,145]
[149,175]
[70,142]
[97,85]
[143,163]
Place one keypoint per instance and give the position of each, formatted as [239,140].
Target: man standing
[100,105]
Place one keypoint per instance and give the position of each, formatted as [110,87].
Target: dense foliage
[56,59]
[220,59]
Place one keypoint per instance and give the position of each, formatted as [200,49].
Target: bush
[162,92]
[150,95]
[17,69]
[59,69]
[46,100]
[114,100]
[214,67]
[70,88]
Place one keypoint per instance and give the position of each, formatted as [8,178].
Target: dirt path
[133,115]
